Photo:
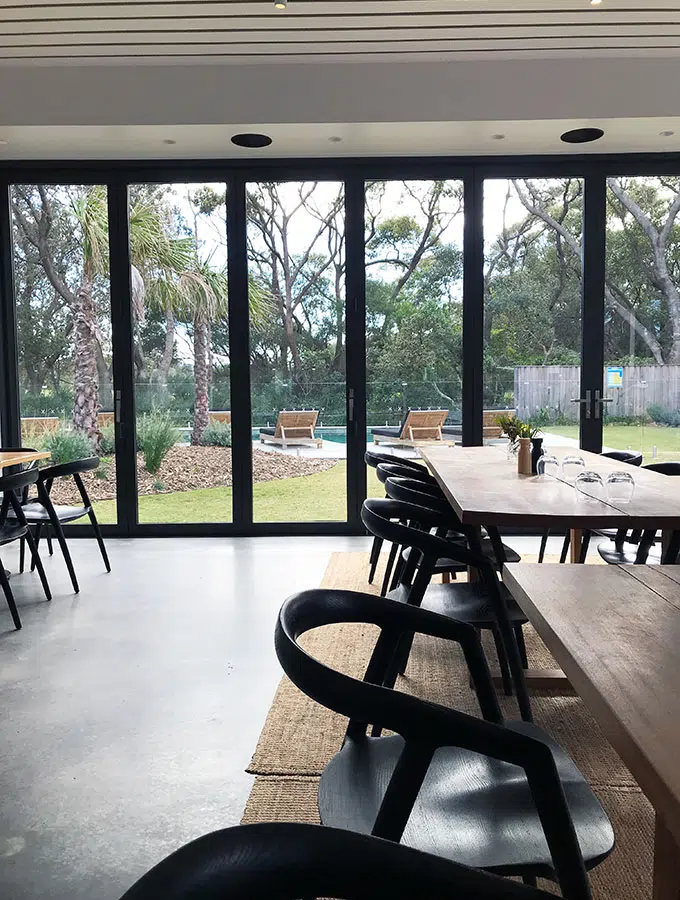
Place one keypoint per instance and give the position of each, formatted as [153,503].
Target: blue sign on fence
[614,376]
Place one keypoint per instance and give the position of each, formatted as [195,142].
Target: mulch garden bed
[188,469]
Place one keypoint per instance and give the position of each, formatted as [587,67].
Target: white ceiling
[331,30]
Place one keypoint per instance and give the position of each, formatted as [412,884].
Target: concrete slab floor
[130,711]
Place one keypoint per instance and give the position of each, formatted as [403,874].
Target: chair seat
[36,512]
[11,531]
[471,808]
[455,430]
[626,557]
[452,565]
[387,431]
[466,602]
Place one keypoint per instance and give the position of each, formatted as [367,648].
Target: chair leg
[38,531]
[376,547]
[502,662]
[48,536]
[61,540]
[388,571]
[565,547]
[521,646]
[396,573]
[585,543]
[37,563]
[9,596]
[100,540]
[22,554]
[544,544]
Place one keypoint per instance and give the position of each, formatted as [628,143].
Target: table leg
[666,863]
[575,546]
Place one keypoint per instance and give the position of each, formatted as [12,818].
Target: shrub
[156,435]
[107,445]
[663,416]
[216,434]
[66,445]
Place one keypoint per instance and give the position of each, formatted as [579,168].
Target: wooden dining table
[615,631]
[484,488]
[18,457]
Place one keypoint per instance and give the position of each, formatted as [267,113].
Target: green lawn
[633,437]
[311,498]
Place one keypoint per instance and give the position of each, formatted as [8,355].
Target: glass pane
[532,305]
[296,262]
[63,309]
[414,292]
[642,318]
[178,251]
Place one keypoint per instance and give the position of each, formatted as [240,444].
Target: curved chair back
[632,457]
[285,861]
[424,726]
[61,470]
[420,493]
[10,487]
[665,468]
[373,459]
[394,470]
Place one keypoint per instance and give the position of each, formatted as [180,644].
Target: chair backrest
[62,470]
[286,861]
[423,424]
[421,493]
[665,468]
[632,457]
[10,487]
[373,459]
[396,470]
[296,423]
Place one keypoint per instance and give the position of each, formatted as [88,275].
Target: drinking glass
[548,465]
[572,466]
[620,487]
[590,485]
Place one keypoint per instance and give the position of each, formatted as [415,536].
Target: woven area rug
[299,736]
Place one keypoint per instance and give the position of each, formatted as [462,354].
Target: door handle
[350,405]
[598,403]
[584,400]
[118,407]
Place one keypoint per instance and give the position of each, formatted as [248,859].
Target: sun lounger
[293,426]
[418,426]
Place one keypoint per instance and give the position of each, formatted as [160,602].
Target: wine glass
[590,485]
[572,466]
[548,466]
[620,487]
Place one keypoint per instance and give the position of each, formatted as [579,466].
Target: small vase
[537,452]
[524,457]
[512,449]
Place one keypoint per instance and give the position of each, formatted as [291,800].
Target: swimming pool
[336,434]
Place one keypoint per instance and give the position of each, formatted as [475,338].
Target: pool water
[337,434]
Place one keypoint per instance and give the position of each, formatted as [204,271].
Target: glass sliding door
[414,292]
[642,318]
[63,314]
[532,304]
[178,253]
[297,310]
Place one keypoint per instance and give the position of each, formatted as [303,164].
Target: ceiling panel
[322,29]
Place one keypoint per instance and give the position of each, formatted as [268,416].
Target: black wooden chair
[41,512]
[373,459]
[636,547]
[13,527]
[494,795]
[485,604]
[287,860]
[631,458]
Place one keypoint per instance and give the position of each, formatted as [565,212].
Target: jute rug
[299,736]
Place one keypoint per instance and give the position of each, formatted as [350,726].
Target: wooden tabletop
[483,487]
[16,457]
[615,631]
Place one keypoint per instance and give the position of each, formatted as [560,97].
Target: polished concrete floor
[129,712]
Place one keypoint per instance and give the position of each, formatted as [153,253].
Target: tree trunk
[201,379]
[291,340]
[86,391]
[169,349]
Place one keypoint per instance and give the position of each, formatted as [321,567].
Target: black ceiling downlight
[582,135]
[251,140]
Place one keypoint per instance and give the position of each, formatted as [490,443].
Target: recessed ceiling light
[251,140]
[169,141]
[497,137]
[280,4]
[666,133]
[582,135]
[335,139]
[595,2]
